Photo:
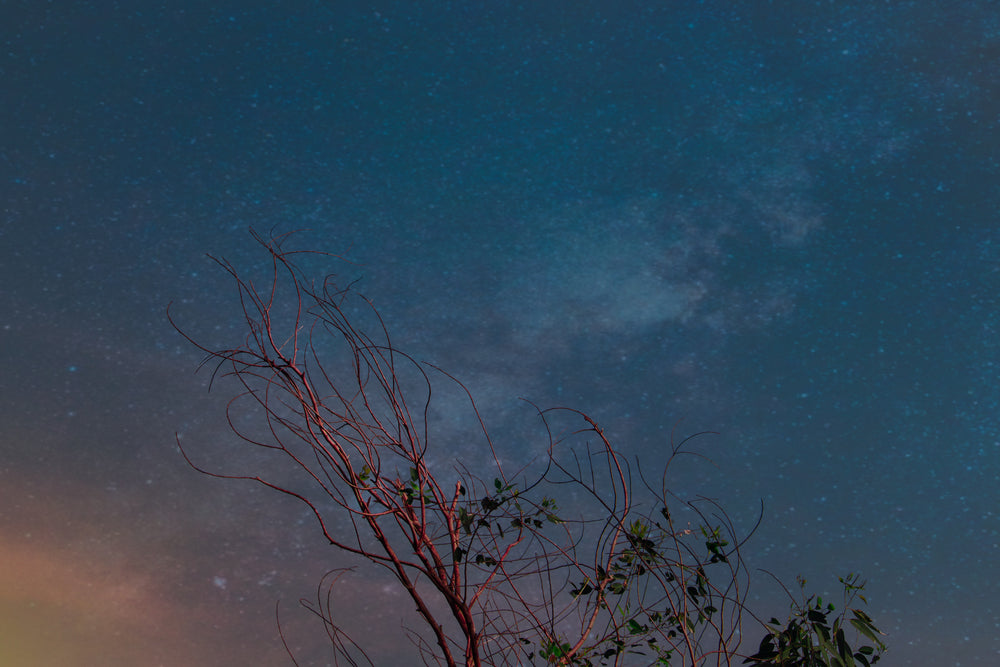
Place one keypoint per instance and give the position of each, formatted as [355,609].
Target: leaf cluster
[814,634]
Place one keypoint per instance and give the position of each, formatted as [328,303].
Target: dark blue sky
[774,220]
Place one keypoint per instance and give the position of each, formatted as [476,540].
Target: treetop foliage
[501,569]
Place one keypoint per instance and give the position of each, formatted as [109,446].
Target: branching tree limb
[499,571]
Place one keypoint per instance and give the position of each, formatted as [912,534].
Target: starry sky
[773,220]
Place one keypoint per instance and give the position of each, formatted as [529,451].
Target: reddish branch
[519,580]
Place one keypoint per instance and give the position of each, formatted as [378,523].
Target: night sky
[773,220]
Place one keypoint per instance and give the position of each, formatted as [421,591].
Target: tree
[500,571]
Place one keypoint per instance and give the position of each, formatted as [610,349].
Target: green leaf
[817,616]
[465,519]
[489,504]
[634,627]
[843,648]
[866,629]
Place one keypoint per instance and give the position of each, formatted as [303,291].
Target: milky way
[776,221]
